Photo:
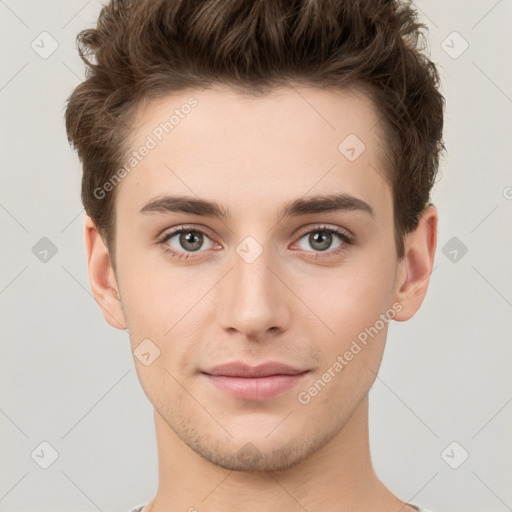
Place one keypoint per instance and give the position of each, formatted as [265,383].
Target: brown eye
[321,240]
[186,240]
[190,240]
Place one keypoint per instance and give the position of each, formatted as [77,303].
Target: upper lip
[239,369]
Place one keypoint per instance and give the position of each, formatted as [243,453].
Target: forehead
[256,151]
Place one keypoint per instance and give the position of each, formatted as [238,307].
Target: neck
[338,477]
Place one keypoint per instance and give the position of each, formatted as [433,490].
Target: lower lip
[255,388]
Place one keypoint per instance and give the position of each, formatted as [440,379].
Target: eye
[321,239]
[184,241]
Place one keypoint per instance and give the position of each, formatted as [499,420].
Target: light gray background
[68,378]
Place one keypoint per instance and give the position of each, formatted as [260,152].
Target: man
[256,178]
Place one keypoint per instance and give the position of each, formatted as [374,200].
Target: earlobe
[101,276]
[414,271]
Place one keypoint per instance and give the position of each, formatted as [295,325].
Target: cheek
[350,298]
[151,294]
[165,304]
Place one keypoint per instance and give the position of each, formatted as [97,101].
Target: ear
[101,276]
[413,273]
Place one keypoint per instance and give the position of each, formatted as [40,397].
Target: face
[313,289]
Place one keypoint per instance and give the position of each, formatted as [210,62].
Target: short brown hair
[143,49]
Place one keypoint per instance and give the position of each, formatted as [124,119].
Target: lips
[261,382]
[239,369]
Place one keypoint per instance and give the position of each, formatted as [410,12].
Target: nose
[253,300]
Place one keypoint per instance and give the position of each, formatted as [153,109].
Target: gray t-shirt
[419,509]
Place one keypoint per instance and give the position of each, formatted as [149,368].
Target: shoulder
[418,508]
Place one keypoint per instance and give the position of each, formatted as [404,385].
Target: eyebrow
[295,208]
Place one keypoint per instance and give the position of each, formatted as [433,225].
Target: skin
[252,155]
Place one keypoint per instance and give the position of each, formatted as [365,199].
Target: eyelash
[346,241]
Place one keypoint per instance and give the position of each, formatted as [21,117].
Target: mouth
[257,383]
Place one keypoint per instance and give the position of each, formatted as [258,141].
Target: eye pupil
[193,237]
[323,237]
